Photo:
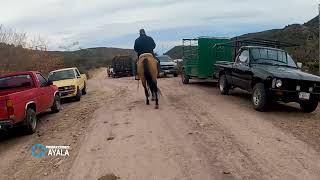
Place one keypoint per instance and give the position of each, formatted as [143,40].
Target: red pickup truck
[23,95]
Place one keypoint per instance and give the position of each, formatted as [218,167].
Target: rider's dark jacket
[144,44]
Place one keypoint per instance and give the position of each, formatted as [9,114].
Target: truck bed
[3,109]
[19,100]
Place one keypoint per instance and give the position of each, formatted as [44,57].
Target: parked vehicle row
[122,66]
[24,95]
[269,74]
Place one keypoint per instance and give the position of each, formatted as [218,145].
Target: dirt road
[196,134]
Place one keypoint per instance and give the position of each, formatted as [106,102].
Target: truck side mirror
[299,65]
[49,83]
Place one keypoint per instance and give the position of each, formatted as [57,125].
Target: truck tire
[311,105]
[185,78]
[84,90]
[30,121]
[79,94]
[55,108]
[175,75]
[260,99]
[224,86]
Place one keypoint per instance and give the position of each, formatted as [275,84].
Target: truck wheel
[224,87]
[260,99]
[30,121]
[185,78]
[175,75]
[84,90]
[309,106]
[79,94]
[55,108]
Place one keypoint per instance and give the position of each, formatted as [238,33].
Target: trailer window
[19,81]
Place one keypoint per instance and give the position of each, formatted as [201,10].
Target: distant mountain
[306,35]
[176,52]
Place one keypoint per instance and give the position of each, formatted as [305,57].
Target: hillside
[306,35]
[91,58]
[19,59]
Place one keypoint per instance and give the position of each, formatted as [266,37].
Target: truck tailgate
[3,108]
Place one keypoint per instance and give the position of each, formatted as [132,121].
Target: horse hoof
[157,107]
[147,103]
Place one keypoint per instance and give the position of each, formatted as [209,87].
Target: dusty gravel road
[196,134]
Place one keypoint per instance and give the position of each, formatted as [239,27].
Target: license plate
[166,71]
[304,96]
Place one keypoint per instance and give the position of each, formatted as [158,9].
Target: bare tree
[12,37]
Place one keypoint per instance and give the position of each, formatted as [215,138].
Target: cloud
[116,22]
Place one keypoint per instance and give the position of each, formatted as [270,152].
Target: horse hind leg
[156,98]
[153,96]
[147,95]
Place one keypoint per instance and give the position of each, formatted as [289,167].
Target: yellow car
[70,82]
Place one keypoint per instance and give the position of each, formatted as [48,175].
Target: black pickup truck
[270,75]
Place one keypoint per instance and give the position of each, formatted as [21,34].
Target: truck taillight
[10,109]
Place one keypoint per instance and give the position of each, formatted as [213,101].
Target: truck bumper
[291,96]
[6,124]
[169,71]
[67,94]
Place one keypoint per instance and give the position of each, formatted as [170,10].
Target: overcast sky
[115,23]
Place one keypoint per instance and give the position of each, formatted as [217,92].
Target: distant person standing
[143,44]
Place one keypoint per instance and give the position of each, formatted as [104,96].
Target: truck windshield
[272,56]
[18,81]
[164,59]
[62,75]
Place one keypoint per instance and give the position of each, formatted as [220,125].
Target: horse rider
[144,44]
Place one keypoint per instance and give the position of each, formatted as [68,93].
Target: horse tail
[151,83]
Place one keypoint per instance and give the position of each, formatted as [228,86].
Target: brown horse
[147,70]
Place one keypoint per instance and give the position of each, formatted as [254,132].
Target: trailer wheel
[185,78]
[30,121]
[224,87]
